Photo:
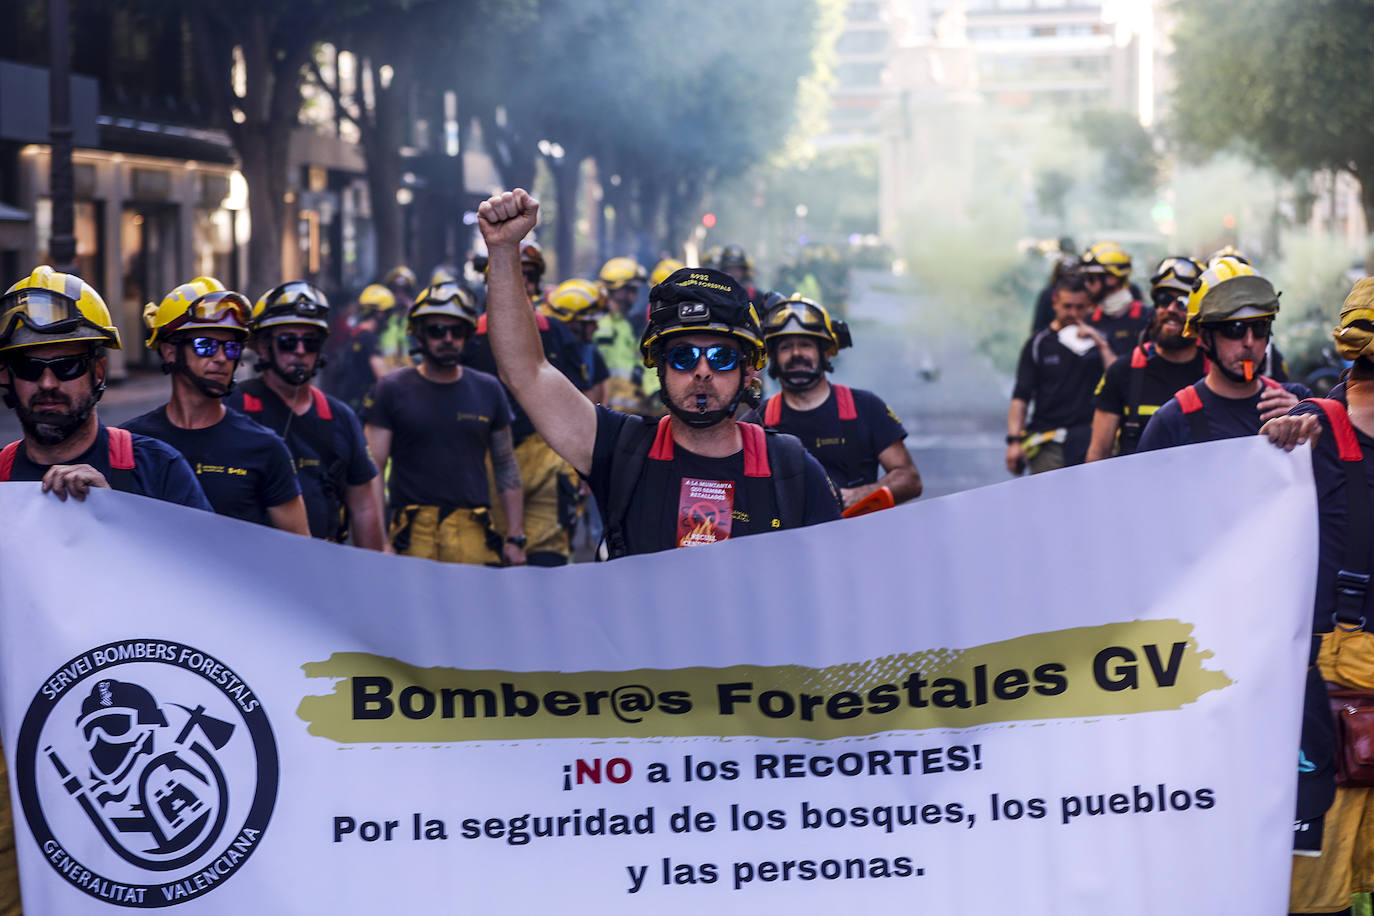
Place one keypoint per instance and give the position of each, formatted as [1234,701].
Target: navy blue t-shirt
[158,472]
[654,517]
[1057,382]
[847,449]
[440,435]
[560,349]
[243,467]
[1227,418]
[331,455]
[1333,511]
[1161,379]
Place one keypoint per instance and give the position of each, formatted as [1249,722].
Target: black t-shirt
[159,471]
[847,449]
[1123,331]
[1159,381]
[331,455]
[440,435]
[1333,512]
[1057,382]
[353,378]
[243,467]
[1227,418]
[560,349]
[674,498]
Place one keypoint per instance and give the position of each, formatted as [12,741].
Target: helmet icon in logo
[155,793]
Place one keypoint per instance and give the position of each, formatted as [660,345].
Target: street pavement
[922,360]
[907,349]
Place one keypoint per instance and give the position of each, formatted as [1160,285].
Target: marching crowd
[490,425]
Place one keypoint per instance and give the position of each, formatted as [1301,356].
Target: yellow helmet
[618,273]
[1229,289]
[48,307]
[664,269]
[202,303]
[575,300]
[448,299]
[799,315]
[296,302]
[441,275]
[1107,258]
[400,276]
[1354,340]
[376,298]
[1228,251]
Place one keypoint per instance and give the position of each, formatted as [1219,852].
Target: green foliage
[1282,79]
[1130,165]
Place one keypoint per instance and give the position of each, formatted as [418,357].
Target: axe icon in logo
[154,790]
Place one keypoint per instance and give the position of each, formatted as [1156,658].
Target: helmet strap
[203,385]
[1205,344]
[702,419]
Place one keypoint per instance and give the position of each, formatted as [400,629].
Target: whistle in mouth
[1249,367]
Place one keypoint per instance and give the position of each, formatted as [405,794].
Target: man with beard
[696,476]
[1231,314]
[54,329]
[290,325]
[1132,390]
[851,432]
[437,423]
[1058,368]
[199,330]
[1117,312]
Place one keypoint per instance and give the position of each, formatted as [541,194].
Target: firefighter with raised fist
[437,423]
[200,330]
[852,432]
[290,325]
[694,477]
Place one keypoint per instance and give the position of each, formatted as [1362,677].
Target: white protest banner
[1072,694]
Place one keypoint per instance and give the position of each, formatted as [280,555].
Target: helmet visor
[806,316]
[296,298]
[42,310]
[216,308]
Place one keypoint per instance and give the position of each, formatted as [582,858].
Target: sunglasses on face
[721,358]
[64,368]
[1168,300]
[287,343]
[207,346]
[440,331]
[1235,330]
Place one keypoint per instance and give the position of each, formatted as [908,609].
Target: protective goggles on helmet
[43,310]
[1235,330]
[64,368]
[1183,270]
[296,298]
[207,346]
[213,308]
[806,316]
[720,357]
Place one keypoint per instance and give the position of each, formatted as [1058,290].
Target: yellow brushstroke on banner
[1111,670]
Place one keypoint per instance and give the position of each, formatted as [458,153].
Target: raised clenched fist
[507,218]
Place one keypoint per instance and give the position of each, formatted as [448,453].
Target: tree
[1130,165]
[1284,81]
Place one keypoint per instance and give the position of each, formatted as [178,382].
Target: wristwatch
[1015,437]
[519,540]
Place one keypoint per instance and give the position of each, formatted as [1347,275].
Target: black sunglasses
[206,347]
[1235,330]
[684,357]
[64,368]
[440,331]
[1165,299]
[287,343]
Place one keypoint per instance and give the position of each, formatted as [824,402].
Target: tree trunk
[566,174]
[1366,178]
[382,131]
[262,154]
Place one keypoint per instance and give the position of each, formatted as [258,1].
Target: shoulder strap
[1352,579]
[1135,390]
[121,449]
[772,411]
[1096,315]
[540,319]
[7,455]
[321,403]
[1199,430]
[251,404]
[482,323]
[662,449]
[1136,309]
[632,447]
[755,450]
[787,458]
[844,400]
[1269,383]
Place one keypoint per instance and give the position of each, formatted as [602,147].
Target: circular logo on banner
[147,771]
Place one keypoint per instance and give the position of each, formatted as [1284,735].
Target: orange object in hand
[876,501]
